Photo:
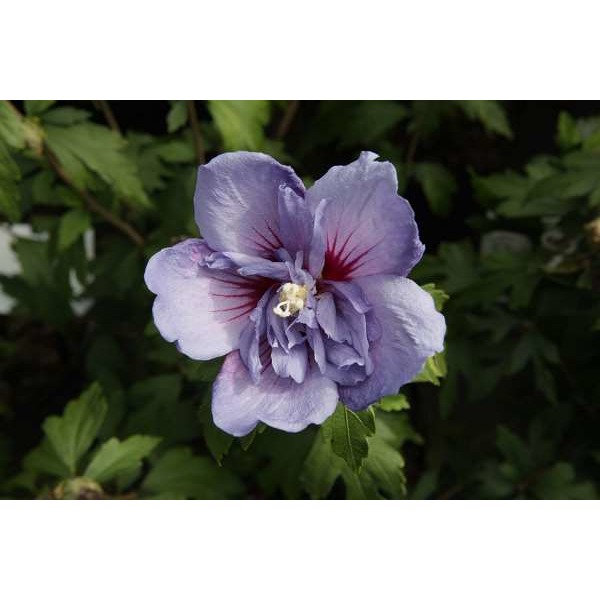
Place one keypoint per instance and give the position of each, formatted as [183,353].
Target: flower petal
[236,202]
[295,221]
[411,331]
[203,310]
[291,363]
[239,404]
[367,228]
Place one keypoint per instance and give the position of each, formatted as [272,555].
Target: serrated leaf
[37,107]
[10,175]
[240,122]
[393,403]
[73,224]
[433,370]
[44,459]
[382,469]
[86,147]
[73,433]
[181,475]
[490,114]
[115,458]
[438,185]
[321,468]
[177,116]
[347,431]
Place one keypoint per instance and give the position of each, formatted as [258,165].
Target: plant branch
[89,200]
[103,106]
[287,119]
[196,132]
[94,205]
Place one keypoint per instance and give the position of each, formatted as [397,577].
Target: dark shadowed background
[507,198]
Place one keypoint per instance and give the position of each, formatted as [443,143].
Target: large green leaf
[86,147]
[73,433]
[37,107]
[381,475]
[178,474]
[241,122]
[347,432]
[439,186]
[116,458]
[44,459]
[490,114]
[12,129]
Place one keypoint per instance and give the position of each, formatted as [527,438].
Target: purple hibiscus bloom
[305,291]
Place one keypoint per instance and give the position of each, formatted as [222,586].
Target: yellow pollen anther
[291,299]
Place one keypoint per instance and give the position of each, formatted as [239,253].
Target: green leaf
[218,441]
[9,191]
[73,433]
[559,483]
[434,369]
[394,403]
[73,224]
[86,147]
[321,468]
[513,449]
[568,134]
[12,130]
[383,471]
[178,474]
[65,115]
[37,107]
[438,185]
[241,122]
[370,121]
[116,458]
[347,432]
[490,114]
[44,459]
[381,474]
[439,296]
[178,115]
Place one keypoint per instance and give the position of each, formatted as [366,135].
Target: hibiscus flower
[304,291]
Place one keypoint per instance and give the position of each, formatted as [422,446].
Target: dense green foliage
[94,403]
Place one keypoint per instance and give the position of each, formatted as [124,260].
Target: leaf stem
[287,119]
[196,132]
[94,205]
[103,106]
[89,200]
